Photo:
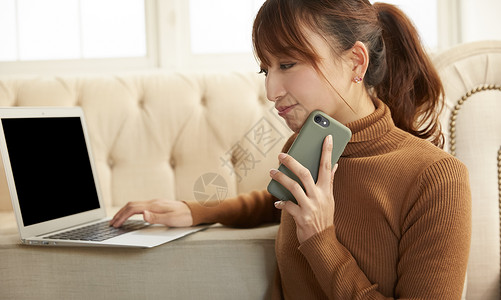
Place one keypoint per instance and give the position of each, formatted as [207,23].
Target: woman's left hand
[314,211]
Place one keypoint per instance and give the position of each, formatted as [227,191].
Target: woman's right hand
[166,212]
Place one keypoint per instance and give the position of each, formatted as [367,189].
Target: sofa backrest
[166,135]
[471,74]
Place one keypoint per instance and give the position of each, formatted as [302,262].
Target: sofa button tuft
[111,163]
[141,103]
[203,100]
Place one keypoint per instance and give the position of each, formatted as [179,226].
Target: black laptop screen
[51,167]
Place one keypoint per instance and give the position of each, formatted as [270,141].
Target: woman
[395,220]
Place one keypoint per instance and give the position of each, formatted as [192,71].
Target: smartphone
[307,149]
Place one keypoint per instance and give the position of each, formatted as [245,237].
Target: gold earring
[357,79]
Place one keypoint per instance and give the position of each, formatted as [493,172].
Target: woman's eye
[286,66]
[263,71]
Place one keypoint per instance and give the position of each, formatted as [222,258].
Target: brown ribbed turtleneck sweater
[401,224]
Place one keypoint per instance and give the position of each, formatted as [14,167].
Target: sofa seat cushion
[210,264]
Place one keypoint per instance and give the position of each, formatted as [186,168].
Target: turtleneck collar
[368,131]
[367,134]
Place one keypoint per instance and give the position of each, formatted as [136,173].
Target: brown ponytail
[399,72]
[411,86]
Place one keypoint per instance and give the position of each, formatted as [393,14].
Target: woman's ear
[360,60]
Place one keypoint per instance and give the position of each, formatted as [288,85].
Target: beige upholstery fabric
[476,68]
[155,135]
[218,263]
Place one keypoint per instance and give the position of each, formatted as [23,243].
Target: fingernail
[278,203]
[282,156]
[273,172]
[329,139]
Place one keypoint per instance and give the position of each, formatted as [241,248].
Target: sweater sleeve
[245,210]
[433,249]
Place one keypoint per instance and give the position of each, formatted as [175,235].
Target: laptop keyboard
[99,232]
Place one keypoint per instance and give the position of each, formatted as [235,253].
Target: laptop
[54,186]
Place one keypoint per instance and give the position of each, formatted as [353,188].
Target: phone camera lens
[321,120]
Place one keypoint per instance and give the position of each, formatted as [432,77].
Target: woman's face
[298,89]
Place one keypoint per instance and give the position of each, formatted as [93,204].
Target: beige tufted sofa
[169,135]
[156,135]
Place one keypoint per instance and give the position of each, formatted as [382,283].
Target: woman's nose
[274,87]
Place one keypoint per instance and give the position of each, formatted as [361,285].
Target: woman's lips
[282,111]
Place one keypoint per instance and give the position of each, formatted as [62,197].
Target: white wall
[480,20]
[169,44]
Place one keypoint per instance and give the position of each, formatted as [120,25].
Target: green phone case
[307,150]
